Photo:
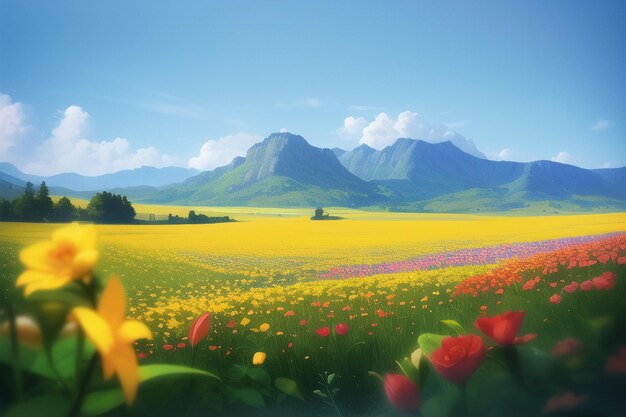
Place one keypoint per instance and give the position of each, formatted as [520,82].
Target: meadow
[278,283]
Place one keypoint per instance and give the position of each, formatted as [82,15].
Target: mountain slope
[284,169]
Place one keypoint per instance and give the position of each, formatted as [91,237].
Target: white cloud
[602,124]
[353,126]
[504,155]
[216,153]
[68,150]
[565,157]
[384,130]
[12,123]
[282,130]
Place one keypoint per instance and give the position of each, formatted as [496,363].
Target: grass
[269,265]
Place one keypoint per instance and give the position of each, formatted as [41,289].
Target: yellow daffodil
[70,255]
[114,337]
[259,358]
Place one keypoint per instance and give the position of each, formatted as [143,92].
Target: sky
[95,87]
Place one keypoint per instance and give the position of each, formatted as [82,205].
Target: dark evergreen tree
[43,202]
[106,207]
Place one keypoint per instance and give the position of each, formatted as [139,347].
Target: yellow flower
[114,337]
[264,327]
[259,358]
[245,321]
[70,255]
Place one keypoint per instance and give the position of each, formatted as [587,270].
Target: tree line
[32,206]
[194,218]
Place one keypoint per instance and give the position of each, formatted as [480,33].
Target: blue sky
[98,86]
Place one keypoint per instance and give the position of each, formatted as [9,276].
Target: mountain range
[284,170]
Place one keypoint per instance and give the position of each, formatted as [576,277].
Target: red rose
[323,331]
[503,328]
[341,329]
[402,392]
[458,357]
[556,299]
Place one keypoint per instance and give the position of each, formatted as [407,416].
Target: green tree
[24,207]
[43,202]
[106,207]
[63,210]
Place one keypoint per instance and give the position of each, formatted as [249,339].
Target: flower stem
[82,389]
[15,355]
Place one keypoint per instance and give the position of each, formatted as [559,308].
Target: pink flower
[303,322]
[181,345]
[606,281]
[289,313]
[563,402]
[570,288]
[168,347]
[142,355]
[341,329]
[617,364]
[323,331]
[555,299]
[567,347]
[586,285]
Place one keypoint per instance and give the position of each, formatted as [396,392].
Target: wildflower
[503,328]
[341,329]
[567,347]
[402,392]
[555,299]
[114,337]
[570,288]
[323,331]
[168,347]
[259,358]
[181,345]
[199,329]
[70,255]
[264,327]
[458,357]
[303,322]
[244,321]
[586,285]
[231,324]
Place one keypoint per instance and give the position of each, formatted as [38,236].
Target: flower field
[308,317]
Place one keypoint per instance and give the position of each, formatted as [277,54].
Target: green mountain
[283,170]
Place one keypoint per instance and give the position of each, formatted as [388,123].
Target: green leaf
[429,342]
[454,325]
[236,373]
[330,378]
[30,359]
[250,396]
[289,387]
[149,372]
[320,393]
[103,401]
[259,375]
[48,405]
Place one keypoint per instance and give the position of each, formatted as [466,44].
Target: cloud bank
[12,124]
[220,152]
[69,150]
[384,130]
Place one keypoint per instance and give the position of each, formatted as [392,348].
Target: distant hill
[148,176]
[284,170]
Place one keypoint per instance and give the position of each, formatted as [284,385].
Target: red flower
[341,329]
[570,288]
[458,357]
[303,322]
[323,331]
[556,299]
[142,355]
[181,345]
[290,313]
[168,347]
[503,328]
[199,329]
[606,281]
[617,364]
[567,347]
[402,392]
[586,285]
[231,324]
